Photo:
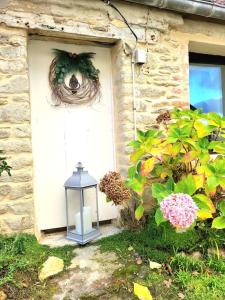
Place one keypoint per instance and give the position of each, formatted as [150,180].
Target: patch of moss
[21,257]
[126,271]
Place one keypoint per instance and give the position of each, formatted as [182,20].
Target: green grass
[202,286]
[197,279]
[21,257]
[155,243]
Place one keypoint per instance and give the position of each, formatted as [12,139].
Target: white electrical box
[140,56]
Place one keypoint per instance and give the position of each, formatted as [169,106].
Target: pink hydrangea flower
[180,210]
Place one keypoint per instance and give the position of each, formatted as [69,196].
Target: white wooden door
[63,135]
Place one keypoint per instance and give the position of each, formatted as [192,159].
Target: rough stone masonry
[162,83]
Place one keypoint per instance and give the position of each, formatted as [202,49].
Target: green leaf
[159,217]
[134,144]
[141,135]
[170,184]
[221,207]
[204,203]
[186,185]
[132,171]
[159,191]
[136,185]
[142,292]
[139,212]
[219,222]
[212,183]
[217,146]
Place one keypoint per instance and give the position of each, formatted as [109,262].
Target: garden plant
[178,166]
[183,162]
[4,167]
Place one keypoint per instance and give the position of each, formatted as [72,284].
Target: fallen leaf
[142,292]
[139,261]
[168,268]
[195,273]
[181,296]
[24,284]
[154,265]
[168,283]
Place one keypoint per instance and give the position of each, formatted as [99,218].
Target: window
[207,82]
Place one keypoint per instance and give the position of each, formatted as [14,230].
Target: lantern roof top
[80,179]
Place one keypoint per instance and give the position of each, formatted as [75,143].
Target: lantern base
[82,239]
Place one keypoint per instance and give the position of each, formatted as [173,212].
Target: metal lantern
[80,226]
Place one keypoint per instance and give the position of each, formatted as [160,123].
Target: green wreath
[71,64]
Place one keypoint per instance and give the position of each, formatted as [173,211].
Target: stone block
[151,92]
[118,23]
[21,207]
[13,37]
[15,113]
[21,98]
[18,223]
[4,229]
[23,131]
[4,132]
[14,84]
[21,190]
[11,67]
[3,209]
[12,52]
[5,189]
[22,176]
[16,146]
[3,100]
[21,161]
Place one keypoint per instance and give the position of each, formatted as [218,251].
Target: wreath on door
[73,78]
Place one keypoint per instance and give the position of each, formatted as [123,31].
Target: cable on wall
[108,2]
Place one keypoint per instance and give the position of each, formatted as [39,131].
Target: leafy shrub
[179,158]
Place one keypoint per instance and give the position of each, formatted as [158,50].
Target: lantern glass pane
[73,197]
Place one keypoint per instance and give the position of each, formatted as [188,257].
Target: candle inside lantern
[87,220]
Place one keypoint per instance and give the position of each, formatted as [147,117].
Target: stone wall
[16,205]
[160,84]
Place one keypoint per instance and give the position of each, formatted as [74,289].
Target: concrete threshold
[59,239]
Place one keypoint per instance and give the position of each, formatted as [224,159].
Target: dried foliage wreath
[85,90]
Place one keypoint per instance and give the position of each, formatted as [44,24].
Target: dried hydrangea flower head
[180,210]
[113,186]
[163,117]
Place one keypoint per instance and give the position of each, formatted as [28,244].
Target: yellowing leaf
[147,166]
[202,129]
[139,212]
[199,181]
[142,292]
[163,175]
[172,150]
[189,156]
[206,201]
[136,155]
[202,215]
